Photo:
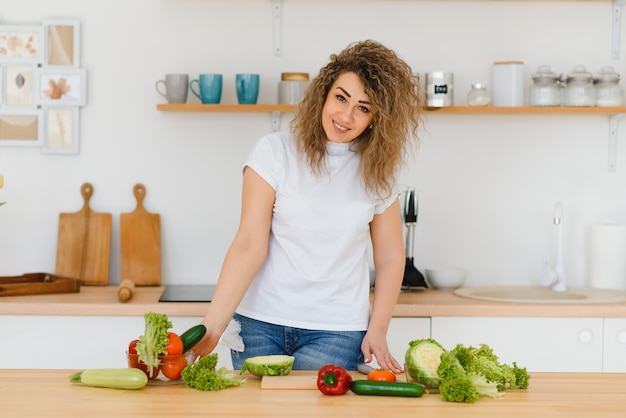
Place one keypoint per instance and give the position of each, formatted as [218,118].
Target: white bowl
[446,278]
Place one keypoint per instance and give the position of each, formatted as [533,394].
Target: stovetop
[188,293]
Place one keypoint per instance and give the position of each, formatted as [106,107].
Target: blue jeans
[312,349]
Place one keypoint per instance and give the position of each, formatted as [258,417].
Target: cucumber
[372,387]
[192,336]
[129,378]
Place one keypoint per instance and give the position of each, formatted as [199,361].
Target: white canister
[439,89]
[507,87]
[291,87]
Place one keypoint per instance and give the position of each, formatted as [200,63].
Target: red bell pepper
[333,380]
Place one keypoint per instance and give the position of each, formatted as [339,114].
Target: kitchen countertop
[568,395]
[103,301]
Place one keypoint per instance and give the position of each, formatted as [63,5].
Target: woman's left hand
[377,346]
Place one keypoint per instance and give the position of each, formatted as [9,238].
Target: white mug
[176,87]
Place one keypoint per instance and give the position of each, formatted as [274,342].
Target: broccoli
[422,359]
[154,340]
[202,375]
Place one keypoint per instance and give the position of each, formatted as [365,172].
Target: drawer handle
[585,336]
[621,337]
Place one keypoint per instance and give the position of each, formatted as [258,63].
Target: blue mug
[247,88]
[209,88]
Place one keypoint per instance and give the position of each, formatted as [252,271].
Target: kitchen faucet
[555,278]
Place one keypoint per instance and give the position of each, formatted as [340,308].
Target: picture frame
[62,42]
[61,86]
[17,85]
[22,44]
[21,127]
[61,130]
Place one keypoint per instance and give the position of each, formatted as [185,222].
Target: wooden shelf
[528,110]
[225,108]
[459,110]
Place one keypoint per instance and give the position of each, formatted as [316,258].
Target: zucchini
[129,378]
[376,388]
[192,336]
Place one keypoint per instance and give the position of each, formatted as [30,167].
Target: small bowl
[169,368]
[446,278]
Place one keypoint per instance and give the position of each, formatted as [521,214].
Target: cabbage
[422,360]
[277,365]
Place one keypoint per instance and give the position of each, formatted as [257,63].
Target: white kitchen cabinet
[77,342]
[615,345]
[539,344]
[402,331]
[82,342]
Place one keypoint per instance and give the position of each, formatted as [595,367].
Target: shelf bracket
[612,151]
[275,121]
[277,9]
[616,18]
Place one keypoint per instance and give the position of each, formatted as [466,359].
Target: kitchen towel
[607,257]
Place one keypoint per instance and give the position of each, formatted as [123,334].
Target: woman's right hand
[208,343]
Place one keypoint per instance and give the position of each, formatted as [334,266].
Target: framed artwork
[62,42]
[42,86]
[21,127]
[61,130]
[61,86]
[23,44]
[17,85]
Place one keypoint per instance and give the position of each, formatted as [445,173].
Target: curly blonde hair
[396,97]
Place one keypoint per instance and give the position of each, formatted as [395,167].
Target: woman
[296,275]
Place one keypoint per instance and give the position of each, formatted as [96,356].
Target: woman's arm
[389,261]
[245,256]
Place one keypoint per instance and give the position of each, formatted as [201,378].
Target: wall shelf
[527,110]
[225,107]
[458,110]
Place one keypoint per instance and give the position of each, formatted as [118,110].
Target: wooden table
[48,393]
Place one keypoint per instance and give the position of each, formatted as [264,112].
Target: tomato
[174,344]
[133,358]
[171,367]
[132,347]
[381,375]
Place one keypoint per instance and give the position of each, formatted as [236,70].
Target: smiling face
[347,111]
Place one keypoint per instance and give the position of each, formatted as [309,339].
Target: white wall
[487,184]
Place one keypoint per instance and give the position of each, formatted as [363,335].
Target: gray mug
[176,87]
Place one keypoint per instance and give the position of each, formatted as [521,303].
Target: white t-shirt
[316,275]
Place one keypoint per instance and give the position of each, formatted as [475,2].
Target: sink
[540,294]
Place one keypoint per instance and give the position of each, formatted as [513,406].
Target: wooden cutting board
[140,243]
[289,382]
[37,284]
[84,243]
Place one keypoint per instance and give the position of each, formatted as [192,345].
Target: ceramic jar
[291,87]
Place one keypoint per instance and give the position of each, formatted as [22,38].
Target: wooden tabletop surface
[48,393]
[103,301]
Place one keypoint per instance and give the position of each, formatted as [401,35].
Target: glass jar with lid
[478,95]
[291,87]
[579,90]
[545,90]
[608,91]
